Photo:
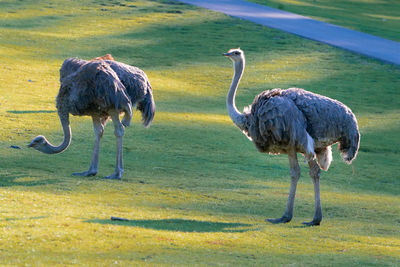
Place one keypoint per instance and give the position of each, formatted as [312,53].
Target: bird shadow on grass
[181,225]
[30,111]
[24,180]
[23,219]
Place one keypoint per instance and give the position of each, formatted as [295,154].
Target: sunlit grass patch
[155,232]
[382,121]
[168,117]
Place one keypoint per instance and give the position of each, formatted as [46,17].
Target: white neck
[48,148]
[234,113]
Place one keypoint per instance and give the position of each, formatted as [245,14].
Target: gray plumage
[93,89]
[135,80]
[280,119]
[100,89]
[295,120]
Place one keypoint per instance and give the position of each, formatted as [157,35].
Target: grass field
[196,190]
[377,17]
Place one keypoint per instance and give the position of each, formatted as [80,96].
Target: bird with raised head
[295,121]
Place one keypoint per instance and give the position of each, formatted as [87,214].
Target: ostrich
[295,120]
[100,89]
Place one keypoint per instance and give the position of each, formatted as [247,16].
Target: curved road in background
[362,43]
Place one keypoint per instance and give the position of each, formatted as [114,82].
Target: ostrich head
[236,55]
[41,144]
[38,143]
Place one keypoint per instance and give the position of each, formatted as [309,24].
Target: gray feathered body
[279,120]
[135,87]
[93,90]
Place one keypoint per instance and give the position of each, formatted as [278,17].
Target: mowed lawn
[195,189]
[376,17]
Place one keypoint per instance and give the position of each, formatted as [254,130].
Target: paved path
[354,41]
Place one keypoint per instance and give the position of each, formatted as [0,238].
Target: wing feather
[278,123]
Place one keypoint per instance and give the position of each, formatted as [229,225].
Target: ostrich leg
[295,174]
[98,126]
[119,133]
[315,173]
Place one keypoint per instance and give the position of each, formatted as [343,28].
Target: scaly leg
[315,173]
[98,126]
[295,174]
[119,133]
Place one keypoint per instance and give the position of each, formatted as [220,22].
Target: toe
[312,223]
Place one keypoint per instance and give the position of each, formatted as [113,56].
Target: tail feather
[349,146]
[147,107]
[324,158]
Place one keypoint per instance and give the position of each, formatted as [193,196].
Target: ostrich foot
[314,222]
[114,176]
[284,219]
[87,173]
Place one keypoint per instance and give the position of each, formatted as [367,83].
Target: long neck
[49,148]
[234,113]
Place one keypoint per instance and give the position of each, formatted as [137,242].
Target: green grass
[377,17]
[196,190]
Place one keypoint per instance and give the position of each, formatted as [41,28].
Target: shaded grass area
[178,225]
[195,189]
[380,18]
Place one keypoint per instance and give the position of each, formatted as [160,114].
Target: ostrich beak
[32,143]
[226,54]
